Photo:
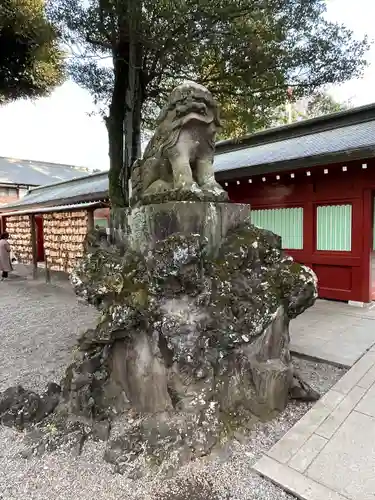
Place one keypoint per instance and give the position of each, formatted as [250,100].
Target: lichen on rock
[189,344]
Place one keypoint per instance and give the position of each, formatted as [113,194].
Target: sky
[59,129]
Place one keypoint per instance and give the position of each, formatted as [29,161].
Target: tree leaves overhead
[319,103]
[322,103]
[31,63]
[130,54]
[246,51]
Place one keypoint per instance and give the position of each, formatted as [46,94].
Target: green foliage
[322,103]
[31,63]
[318,104]
[247,52]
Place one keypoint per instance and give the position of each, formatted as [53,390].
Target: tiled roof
[92,187]
[328,142]
[348,135]
[36,173]
[56,208]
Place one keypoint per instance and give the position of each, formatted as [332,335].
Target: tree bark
[124,123]
[132,118]
[137,110]
[115,124]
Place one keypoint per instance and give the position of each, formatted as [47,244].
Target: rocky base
[21,408]
[192,345]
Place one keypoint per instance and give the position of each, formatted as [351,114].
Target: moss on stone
[200,315]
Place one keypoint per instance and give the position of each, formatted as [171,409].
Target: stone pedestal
[143,227]
[193,338]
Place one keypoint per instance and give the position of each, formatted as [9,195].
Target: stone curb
[288,460]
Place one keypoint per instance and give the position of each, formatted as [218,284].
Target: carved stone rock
[194,337]
[178,162]
[22,408]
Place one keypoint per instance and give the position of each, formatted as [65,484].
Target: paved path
[330,453]
[334,332]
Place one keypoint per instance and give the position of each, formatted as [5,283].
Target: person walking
[5,259]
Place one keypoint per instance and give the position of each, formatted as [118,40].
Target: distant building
[17,176]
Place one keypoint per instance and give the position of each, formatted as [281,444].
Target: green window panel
[334,228]
[101,222]
[286,222]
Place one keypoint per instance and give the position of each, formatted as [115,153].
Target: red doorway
[39,238]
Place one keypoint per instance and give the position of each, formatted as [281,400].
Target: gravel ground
[39,327]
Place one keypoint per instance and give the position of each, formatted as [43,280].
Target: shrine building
[311,182]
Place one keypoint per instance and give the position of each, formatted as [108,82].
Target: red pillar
[308,232]
[367,242]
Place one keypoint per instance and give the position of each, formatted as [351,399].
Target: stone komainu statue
[178,161]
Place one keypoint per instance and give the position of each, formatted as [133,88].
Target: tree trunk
[132,118]
[115,125]
[124,122]
[137,112]
[128,122]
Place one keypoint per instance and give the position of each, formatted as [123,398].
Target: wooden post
[48,274]
[3,223]
[34,246]
[91,221]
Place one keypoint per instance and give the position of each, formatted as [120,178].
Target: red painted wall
[342,275]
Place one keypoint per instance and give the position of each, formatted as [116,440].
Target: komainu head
[190,99]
